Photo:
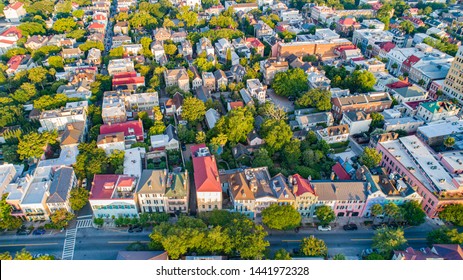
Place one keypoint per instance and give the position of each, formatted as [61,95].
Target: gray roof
[412,91]
[262,181]
[340,190]
[280,188]
[171,132]
[61,185]
[152,181]
[219,74]
[203,93]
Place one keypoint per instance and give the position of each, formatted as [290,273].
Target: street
[104,244]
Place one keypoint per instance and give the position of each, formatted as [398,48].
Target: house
[281,190]
[151,191]
[133,130]
[358,122]
[157,49]
[203,94]
[19,63]
[161,34]
[305,196]
[64,180]
[132,49]
[177,77]
[36,41]
[339,173]
[185,48]
[221,79]
[407,93]
[222,47]
[437,252]
[437,110]
[408,124]
[14,12]
[34,198]
[212,117]
[209,81]
[256,89]
[121,27]
[207,180]
[71,53]
[197,81]
[73,134]
[120,40]
[169,140]
[177,101]
[346,26]
[142,101]
[8,174]
[334,134]
[127,80]
[113,196]
[237,72]
[434,133]
[241,194]
[120,65]
[94,57]
[111,142]
[179,37]
[271,66]
[113,108]
[58,119]
[256,44]
[261,29]
[234,104]
[177,192]
[205,45]
[373,102]
[311,120]
[259,182]
[96,27]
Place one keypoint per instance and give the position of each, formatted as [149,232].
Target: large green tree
[386,240]
[317,98]
[412,213]
[193,109]
[444,235]
[237,124]
[281,217]
[313,247]
[261,158]
[90,160]
[63,25]
[78,199]
[7,221]
[325,215]
[281,254]
[276,134]
[32,145]
[290,83]
[453,213]
[61,218]
[360,81]
[370,157]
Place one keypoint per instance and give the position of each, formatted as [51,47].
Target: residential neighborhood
[211,129]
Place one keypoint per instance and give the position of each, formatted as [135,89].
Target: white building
[256,89]
[14,12]
[142,101]
[133,161]
[34,200]
[358,122]
[7,175]
[64,180]
[334,134]
[120,65]
[58,119]
[111,142]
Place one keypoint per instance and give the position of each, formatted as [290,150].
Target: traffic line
[126,242]
[24,245]
[85,217]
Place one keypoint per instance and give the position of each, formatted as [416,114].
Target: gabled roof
[72,133]
[96,25]
[15,5]
[171,132]
[340,172]
[152,181]
[177,184]
[238,186]
[303,185]
[206,174]
[177,100]
[137,127]
[280,188]
[61,185]
[104,185]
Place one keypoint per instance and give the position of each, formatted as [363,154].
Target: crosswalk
[87,223]
[69,244]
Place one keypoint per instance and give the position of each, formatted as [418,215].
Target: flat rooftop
[441,128]
[454,159]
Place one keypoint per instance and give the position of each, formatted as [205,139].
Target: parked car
[350,227]
[183,147]
[23,231]
[378,226]
[136,228]
[292,98]
[322,228]
[39,231]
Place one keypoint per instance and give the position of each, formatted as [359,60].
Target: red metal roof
[206,174]
[345,48]
[411,60]
[15,61]
[340,172]
[12,31]
[303,185]
[136,126]
[415,104]
[387,46]
[125,75]
[236,104]
[103,185]
[15,5]
[96,25]
[399,84]
[347,21]
[255,42]
[129,81]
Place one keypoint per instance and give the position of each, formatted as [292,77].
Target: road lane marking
[408,239]
[32,244]
[126,242]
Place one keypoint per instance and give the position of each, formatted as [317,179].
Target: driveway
[281,101]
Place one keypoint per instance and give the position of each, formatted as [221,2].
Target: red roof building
[234,105]
[104,186]
[340,172]
[128,80]
[206,174]
[408,63]
[399,84]
[303,186]
[131,129]
[14,63]
[437,252]
[13,32]
[96,27]
[387,46]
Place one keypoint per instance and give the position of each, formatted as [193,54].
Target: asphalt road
[92,244]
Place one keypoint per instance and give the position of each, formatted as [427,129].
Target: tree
[292,152]
[444,235]
[200,137]
[374,257]
[449,142]
[116,161]
[262,158]
[63,25]
[269,110]
[386,240]
[376,210]
[25,93]
[325,215]
[276,134]
[158,128]
[377,120]
[61,217]
[392,210]
[23,255]
[5,256]
[56,62]
[219,141]
[116,52]
[370,157]
[281,254]
[360,81]
[78,198]
[32,28]
[7,221]
[45,258]
[453,213]
[146,44]
[313,247]
[317,98]
[32,145]
[10,154]
[412,213]
[290,83]
[90,160]
[237,124]
[339,257]
[90,45]
[189,17]
[193,109]
[407,26]
[281,217]
[98,222]
[142,19]
[170,49]
[38,75]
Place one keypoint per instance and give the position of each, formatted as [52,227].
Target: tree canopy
[193,109]
[237,124]
[370,157]
[79,197]
[281,217]
[453,213]
[325,215]
[444,235]
[317,98]
[386,240]
[33,145]
[313,247]
[276,134]
[290,83]
[412,213]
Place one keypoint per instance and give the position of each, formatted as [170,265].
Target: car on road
[324,228]
[136,228]
[39,231]
[23,231]
[350,227]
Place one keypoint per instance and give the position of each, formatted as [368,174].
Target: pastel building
[411,158]
[241,194]
[305,195]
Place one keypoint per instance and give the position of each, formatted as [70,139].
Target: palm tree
[376,210]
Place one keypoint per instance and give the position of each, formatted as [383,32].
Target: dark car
[291,98]
[183,147]
[23,231]
[39,231]
[135,228]
[350,227]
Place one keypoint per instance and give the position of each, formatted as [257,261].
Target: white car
[322,228]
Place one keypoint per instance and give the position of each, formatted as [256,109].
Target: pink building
[452,161]
[412,159]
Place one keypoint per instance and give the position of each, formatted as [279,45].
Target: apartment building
[58,119]
[453,84]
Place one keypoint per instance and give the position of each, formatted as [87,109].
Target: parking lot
[281,101]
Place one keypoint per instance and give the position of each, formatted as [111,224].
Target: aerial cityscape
[228,130]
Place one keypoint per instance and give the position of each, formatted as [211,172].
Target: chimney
[217,178]
[70,126]
[309,178]
[295,189]
[332,176]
